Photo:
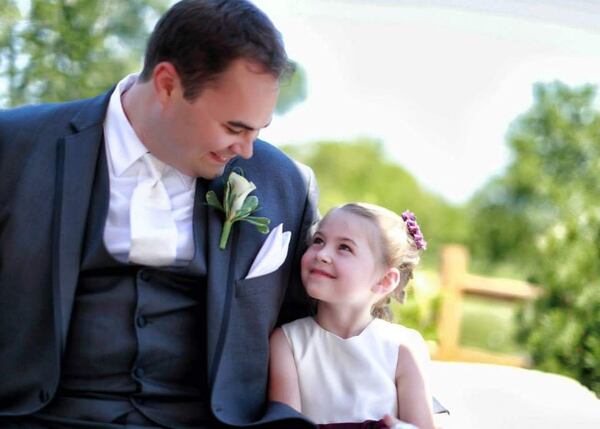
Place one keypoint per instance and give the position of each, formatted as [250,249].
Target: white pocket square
[272,253]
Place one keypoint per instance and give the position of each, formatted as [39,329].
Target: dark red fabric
[367,424]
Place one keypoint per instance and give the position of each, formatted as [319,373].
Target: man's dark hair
[202,37]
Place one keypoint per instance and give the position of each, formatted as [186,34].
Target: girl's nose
[323,256]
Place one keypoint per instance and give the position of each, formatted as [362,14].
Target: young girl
[345,364]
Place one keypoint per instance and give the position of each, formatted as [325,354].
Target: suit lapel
[225,267]
[220,280]
[79,156]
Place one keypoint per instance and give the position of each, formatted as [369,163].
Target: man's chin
[209,175]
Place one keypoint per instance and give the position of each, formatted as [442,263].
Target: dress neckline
[333,335]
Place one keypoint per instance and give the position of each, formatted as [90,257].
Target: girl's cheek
[307,257]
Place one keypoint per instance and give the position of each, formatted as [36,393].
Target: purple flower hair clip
[414,230]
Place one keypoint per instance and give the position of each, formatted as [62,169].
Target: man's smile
[219,158]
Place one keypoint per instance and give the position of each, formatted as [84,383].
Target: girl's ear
[389,281]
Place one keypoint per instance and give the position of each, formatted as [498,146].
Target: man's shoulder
[277,163]
[26,129]
[264,151]
[46,113]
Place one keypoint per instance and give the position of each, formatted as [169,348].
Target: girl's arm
[283,377]
[414,397]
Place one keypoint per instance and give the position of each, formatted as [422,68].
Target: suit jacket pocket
[270,282]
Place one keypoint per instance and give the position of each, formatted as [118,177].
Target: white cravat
[124,152]
[153,229]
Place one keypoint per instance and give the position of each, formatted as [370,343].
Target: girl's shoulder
[300,334]
[397,332]
[406,339]
[297,327]
[298,323]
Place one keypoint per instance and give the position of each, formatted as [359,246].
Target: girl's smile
[320,273]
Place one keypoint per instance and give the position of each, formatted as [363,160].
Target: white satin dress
[352,379]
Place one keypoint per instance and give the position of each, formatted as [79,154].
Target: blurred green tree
[542,215]
[63,50]
[292,90]
[56,50]
[9,18]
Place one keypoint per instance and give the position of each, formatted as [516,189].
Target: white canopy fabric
[482,396]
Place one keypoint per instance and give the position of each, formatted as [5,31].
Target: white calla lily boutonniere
[237,205]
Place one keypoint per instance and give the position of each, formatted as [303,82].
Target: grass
[489,324]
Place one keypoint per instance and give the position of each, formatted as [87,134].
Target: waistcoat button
[138,372]
[141,321]
[145,275]
[44,396]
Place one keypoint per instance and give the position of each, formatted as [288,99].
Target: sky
[437,82]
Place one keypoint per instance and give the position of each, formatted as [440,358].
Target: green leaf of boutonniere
[237,205]
[213,201]
[261,223]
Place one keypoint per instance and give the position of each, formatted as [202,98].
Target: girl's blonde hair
[395,244]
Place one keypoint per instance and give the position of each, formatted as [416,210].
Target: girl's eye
[345,248]
[317,240]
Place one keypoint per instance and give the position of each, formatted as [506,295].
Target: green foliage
[504,237]
[489,324]
[420,311]
[65,50]
[57,50]
[556,158]
[292,91]
[562,329]
[359,171]
[9,19]
[543,216]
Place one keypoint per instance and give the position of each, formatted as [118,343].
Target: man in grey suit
[117,306]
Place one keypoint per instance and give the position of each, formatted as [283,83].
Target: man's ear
[388,282]
[165,80]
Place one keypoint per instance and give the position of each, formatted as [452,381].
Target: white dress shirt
[123,153]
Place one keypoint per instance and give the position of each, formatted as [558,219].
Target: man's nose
[245,146]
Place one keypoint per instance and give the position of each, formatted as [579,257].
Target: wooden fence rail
[457,282]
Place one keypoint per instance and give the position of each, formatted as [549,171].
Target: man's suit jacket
[47,158]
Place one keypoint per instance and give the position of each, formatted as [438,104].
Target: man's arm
[297,303]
